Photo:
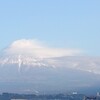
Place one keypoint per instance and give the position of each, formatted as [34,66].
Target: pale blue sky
[59,23]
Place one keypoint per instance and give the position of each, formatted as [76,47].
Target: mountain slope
[28,66]
[28,74]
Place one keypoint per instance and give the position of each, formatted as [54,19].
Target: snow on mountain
[22,60]
[89,64]
[33,53]
[28,65]
[84,63]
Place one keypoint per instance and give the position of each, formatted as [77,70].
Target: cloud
[38,49]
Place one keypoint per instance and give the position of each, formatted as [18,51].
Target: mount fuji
[27,66]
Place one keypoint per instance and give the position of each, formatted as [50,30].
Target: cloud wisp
[38,49]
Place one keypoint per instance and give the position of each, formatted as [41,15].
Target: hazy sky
[59,23]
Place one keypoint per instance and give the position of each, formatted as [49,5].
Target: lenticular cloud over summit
[37,49]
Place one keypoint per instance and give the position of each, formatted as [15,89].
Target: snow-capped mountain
[89,64]
[60,73]
[22,70]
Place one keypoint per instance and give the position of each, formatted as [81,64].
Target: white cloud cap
[37,49]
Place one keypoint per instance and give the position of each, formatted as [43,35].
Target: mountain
[20,73]
[28,68]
